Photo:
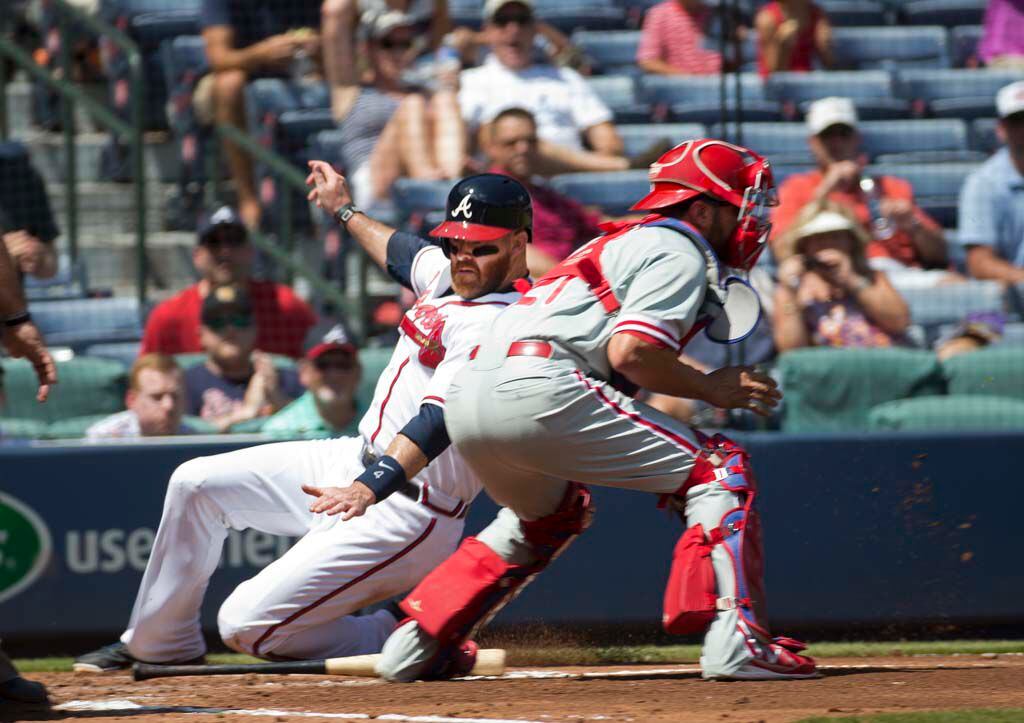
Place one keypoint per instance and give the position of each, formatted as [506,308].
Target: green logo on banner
[24,546]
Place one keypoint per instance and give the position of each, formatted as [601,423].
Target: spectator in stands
[1002,43]
[330,372]
[340,20]
[155,402]
[904,236]
[246,40]
[673,37]
[992,199]
[27,225]
[223,255]
[792,35]
[560,224]
[392,130]
[235,383]
[566,109]
[827,295]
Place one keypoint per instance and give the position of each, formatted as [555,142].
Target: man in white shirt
[155,402]
[567,110]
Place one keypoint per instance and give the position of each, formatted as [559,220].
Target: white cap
[493,6]
[1010,99]
[829,112]
[377,25]
[825,222]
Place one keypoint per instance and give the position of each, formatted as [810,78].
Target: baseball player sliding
[539,413]
[352,552]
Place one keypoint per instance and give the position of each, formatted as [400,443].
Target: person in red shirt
[790,35]
[560,224]
[901,231]
[223,255]
[672,40]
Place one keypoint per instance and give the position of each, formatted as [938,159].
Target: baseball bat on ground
[488,662]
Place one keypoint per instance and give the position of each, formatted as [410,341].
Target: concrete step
[114,267]
[47,149]
[19,107]
[110,207]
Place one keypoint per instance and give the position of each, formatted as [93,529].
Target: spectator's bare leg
[338,22]
[385,161]
[553,158]
[415,147]
[449,133]
[229,108]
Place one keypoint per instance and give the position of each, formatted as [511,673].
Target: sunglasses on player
[477,251]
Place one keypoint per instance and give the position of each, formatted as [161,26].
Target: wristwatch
[346,212]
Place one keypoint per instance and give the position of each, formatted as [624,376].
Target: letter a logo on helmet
[725,172]
[485,207]
[464,207]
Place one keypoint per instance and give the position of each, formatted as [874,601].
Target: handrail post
[138,160]
[67,111]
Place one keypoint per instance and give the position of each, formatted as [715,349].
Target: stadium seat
[832,390]
[614,192]
[969,108]
[969,88]
[885,47]
[943,12]
[326,146]
[936,186]
[908,136]
[995,371]
[983,135]
[125,352]
[952,413]
[963,45]
[619,93]
[570,15]
[875,108]
[612,51]
[184,61]
[373,360]
[797,88]
[11,428]
[783,143]
[950,303]
[465,12]
[697,99]
[79,322]
[1013,334]
[87,386]
[854,12]
[415,200]
[70,282]
[638,137]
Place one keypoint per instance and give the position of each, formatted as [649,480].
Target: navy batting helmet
[485,207]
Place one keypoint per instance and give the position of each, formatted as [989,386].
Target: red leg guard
[472,585]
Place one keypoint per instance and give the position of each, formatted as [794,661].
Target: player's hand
[24,340]
[330,189]
[349,502]
[743,388]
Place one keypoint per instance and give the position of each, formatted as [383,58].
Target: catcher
[544,408]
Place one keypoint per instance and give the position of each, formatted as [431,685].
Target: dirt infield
[656,694]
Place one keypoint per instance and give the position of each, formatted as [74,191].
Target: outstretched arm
[20,335]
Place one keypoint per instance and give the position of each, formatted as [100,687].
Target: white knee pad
[237,625]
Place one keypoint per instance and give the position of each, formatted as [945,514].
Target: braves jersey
[659,278]
[436,336]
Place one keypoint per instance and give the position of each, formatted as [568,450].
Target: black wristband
[346,212]
[384,477]
[18,319]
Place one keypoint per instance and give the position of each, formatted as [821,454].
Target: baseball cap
[225,216]
[1010,99]
[327,336]
[829,112]
[226,300]
[377,25]
[491,7]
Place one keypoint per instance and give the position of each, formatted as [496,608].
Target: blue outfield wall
[878,529]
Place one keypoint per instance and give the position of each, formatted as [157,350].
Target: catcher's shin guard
[487,571]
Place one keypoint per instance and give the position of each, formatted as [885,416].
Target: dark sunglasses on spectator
[389,44]
[343,363]
[477,251]
[503,17]
[226,238]
[838,131]
[238,321]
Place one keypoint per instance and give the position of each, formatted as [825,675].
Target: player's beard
[484,282]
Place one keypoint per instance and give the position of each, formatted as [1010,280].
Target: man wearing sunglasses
[373,517]
[224,255]
[543,409]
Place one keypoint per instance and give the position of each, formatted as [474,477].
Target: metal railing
[72,95]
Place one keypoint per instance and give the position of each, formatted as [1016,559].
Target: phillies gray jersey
[658,276]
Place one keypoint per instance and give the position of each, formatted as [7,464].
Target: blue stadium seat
[854,12]
[70,282]
[943,12]
[936,185]
[887,48]
[295,129]
[614,193]
[619,93]
[80,322]
[415,195]
[138,7]
[782,143]
[963,45]
[465,12]
[983,135]
[966,108]
[797,88]
[638,137]
[326,146]
[948,304]
[875,108]
[963,87]
[184,62]
[122,351]
[909,136]
[612,51]
[570,15]
[696,99]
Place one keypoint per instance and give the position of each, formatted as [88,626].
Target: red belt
[523,348]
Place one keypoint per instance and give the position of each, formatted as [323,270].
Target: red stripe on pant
[312,606]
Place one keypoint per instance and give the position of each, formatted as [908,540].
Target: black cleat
[116,657]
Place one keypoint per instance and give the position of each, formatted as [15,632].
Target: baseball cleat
[116,657]
[778,660]
[19,690]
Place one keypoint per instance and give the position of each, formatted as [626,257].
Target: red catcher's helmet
[723,171]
